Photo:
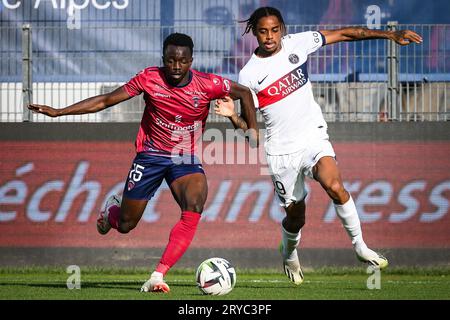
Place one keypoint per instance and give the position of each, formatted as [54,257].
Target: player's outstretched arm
[90,105]
[402,37]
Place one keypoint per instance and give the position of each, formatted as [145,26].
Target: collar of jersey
[276,54]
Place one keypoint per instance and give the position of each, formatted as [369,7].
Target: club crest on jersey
[293,58]
[196,100]
[178,118]
[216,81]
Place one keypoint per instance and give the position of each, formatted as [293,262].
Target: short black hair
[179,39]
[261,13]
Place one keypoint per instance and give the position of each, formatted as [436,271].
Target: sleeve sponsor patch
[226,85]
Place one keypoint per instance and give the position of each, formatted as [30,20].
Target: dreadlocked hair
[261,13]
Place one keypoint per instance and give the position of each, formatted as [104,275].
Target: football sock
[114,216]
[290,242]
[350,220]
[156,275]
[179,240]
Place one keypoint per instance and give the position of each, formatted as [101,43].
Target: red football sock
[179,240]
[114,216]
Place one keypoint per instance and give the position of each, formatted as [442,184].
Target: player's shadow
[122,285]
[125,285]
[246,287]
[267,286]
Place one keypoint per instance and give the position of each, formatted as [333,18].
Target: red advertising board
[50,193]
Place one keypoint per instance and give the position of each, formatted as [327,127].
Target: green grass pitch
[320,284]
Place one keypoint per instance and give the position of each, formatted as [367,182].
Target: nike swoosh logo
[259,82]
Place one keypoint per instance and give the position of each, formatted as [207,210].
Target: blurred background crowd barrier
[59,52]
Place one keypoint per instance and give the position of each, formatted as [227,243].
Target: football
[215,276]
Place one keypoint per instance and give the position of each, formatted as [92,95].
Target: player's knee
[123,228]
[296,214]
[196,208]
[126,226]
[195,205]
[302,221]
[336,190]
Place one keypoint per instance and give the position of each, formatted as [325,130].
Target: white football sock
[290,242]
[350,220]
[156,274]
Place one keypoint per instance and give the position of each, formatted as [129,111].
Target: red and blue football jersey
[174,117]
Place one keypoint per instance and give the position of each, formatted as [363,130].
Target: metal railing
[353,81]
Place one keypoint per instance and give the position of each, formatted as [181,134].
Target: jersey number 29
[280,187]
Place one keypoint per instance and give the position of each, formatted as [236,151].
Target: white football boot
[292,266]
[155,284]
[103,225]
[374,259]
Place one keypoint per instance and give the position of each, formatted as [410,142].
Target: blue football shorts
[148,171]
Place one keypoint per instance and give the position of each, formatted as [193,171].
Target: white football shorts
[289,171]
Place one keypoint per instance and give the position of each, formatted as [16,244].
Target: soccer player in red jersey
[177,102]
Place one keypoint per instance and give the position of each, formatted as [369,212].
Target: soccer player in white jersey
[296,141]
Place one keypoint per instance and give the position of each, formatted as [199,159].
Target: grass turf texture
[320,284]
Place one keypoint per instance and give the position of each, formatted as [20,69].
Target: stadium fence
[365,81]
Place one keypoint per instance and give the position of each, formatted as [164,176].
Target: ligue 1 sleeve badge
[293,58]
[130,185]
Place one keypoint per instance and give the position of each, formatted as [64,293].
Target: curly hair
[179,39]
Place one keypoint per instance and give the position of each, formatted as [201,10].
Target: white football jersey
[284,96]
